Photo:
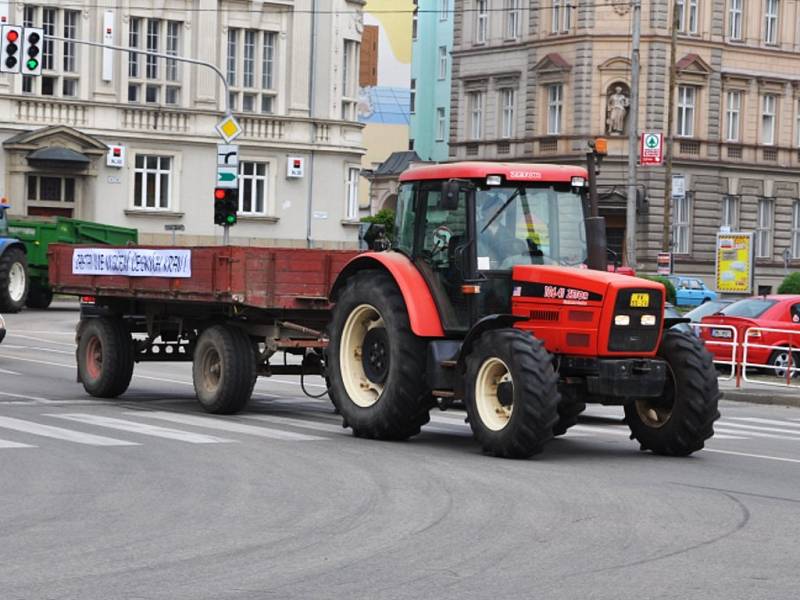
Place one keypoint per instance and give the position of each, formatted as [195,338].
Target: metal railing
[731,341]
[790,370]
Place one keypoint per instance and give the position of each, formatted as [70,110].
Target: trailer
[230,310]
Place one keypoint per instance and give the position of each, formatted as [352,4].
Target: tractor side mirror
[375,237]
[451,190]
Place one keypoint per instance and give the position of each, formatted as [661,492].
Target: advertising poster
[734,272]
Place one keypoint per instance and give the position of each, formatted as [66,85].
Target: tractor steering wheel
[441,239]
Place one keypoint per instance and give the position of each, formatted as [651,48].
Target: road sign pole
[226,235]
[633,142]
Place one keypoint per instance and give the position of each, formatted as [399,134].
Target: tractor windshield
[529,225]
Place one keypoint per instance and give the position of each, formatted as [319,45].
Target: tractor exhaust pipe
[597,257]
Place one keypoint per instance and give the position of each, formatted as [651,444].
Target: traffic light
[32,51]
[10,49]
[226,205]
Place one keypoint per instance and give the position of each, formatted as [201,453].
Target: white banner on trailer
[132,262]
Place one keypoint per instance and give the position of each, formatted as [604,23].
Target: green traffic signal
[231,219]
[32,64]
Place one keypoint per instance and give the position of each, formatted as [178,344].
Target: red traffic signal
[226,205]
[12,35]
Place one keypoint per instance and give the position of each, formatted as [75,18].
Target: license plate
[640,300]
[721,333]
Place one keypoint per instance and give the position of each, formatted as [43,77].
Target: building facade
[431,71]
[292,72]
[534,81]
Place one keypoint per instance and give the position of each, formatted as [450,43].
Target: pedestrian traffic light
[226,205]
[10,49]
[32,51]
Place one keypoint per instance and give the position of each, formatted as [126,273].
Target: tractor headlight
[648,320]
[622,320]
[494,180]
[578,182]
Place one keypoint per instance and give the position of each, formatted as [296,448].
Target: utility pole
[666,240]
[633,139]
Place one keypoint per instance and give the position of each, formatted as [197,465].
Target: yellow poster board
[734,272]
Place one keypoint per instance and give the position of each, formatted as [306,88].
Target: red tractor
[481,299]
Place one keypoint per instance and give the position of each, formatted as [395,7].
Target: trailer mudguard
[422,312]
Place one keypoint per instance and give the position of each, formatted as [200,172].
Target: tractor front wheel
[13,280]
[679,421]
[376,363]
[511,394]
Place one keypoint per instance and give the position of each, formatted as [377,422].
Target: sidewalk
[758,393]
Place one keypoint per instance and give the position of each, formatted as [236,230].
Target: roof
[59,154]
[511,172]
[396,163]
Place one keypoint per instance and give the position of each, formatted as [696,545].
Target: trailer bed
[256,277]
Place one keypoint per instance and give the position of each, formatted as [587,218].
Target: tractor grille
[636,337]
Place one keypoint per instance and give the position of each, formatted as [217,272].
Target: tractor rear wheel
[511,393]
[223,369]
[679,421]
[13,280]
[105,356]
[376,363]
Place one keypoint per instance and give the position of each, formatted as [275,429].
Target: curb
[760,397]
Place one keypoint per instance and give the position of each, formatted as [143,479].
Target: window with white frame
[508,107]
[482,22]
[475,115]
[148,82]
[730,212]
[686,103]
[733,115]
[796,229]
[59,58]
[687,16]
[350,59]
[768,103]
[442,62]
[51,190]
[351,210]
[250,70]
[253,188]
[735,20]
[771,8]
[560,16]
[512,19]
[682,224]
[766,218]
[152,182]
[555,107]
[441,124]
[444,9]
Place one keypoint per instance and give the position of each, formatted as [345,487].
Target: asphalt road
[150,498]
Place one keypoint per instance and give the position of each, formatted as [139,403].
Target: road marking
[39,349]
[300,423]
[141,428]
[7,444]
[61,434]
[7,372]
[225,425]
[763,456]
[767,421]
[607,431]
[37,339]
[24,397]
[762,428]
[758,434]
[38,362]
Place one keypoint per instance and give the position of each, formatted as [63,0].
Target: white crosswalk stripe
[58,433]
[225,425]
[768,422]
[301,423]
[141,428]
[8,444]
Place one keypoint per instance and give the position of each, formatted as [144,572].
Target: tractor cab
[466,227]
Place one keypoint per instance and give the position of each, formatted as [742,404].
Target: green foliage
[667,284]
[790,285]
[384,217]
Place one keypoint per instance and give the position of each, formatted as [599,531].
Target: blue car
[691,291]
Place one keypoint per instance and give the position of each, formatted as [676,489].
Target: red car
[774,312]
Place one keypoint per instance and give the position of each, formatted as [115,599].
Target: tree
[790,285]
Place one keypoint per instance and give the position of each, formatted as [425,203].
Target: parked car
[670,312]
[780,311]
[691,291]
[706,309]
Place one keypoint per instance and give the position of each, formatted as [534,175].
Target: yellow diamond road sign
[229,129]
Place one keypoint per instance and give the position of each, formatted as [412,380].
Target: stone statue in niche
[617,109]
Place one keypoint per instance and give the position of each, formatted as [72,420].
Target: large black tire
[105,356]
[377,382]
[39,297]
[511,356]
[13,265]
[568,412]
[682,419]
[224,369]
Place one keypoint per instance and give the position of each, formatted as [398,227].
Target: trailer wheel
[39,297]
[13,280]
[682,418]
[511,393]
[223,369]
[376,362]
[105,356]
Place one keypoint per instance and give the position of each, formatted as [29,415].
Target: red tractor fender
[422,312]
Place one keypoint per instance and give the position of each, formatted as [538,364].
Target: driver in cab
[498,245]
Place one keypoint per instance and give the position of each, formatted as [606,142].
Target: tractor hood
[572,284]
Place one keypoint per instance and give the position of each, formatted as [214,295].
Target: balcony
[47,111]
[156,119]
